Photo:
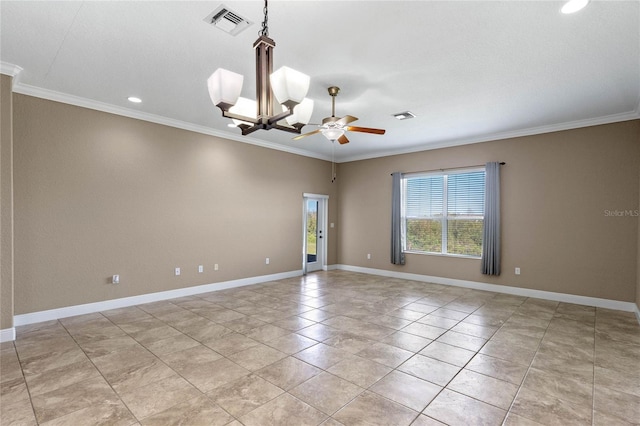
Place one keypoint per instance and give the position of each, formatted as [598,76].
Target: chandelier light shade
[286,86]
[246,108]
[301,114]
[224,87]
[289,86]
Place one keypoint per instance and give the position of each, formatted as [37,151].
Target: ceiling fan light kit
[332,133]
[288,86]
[334,128]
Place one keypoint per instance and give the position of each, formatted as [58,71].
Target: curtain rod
[502,163]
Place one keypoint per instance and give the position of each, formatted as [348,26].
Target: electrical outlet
[177,271]
[368,255]
[517,271]
[200,269]
[266,262]
[215,267]
[115,279]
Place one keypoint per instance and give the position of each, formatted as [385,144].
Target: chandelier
[286,86]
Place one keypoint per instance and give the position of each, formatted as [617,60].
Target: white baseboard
[549,295]
[70,311]
[8,335]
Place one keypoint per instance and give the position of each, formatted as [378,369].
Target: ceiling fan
[333,128]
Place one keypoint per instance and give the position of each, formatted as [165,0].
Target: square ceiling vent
[227,20]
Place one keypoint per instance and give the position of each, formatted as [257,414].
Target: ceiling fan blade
[306,134]
[366,130]
[343,139]
[346,120]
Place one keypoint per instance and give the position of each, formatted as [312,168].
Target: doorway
[314,245]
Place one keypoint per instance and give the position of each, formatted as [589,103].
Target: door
[314,235]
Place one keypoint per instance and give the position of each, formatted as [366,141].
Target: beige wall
[555,189]
[6,204]
[638,267]
[98,194]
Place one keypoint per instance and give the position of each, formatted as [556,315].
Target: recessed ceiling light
[134,99]
[572,6]
[404,115]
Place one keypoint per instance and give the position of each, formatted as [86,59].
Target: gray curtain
[491,230]
[397,256]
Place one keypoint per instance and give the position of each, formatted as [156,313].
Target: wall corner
[6,209]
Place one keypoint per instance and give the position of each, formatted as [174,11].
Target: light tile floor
[332,348]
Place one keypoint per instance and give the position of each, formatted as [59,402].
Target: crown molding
[52,95]
[608,119]
[25,89]
[11,70]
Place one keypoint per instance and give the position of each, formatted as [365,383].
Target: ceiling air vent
[404,115]
[227,20]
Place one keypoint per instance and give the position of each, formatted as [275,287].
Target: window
[443,212]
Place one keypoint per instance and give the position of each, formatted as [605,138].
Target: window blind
[425,197]
[465,213]
[465,194]
[443,213]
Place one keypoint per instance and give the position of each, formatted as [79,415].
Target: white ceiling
[470,71]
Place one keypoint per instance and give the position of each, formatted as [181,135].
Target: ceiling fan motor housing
[329,120]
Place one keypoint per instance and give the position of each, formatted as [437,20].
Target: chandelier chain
[265,24]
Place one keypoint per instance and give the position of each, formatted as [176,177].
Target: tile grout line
[524,378]
[176,372]
[26,385]
[476,353]
[96,367]
[201,343]
[225,357]
[286,296]
[461,367]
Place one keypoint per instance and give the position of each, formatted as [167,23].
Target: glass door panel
[312,231]
[314,243]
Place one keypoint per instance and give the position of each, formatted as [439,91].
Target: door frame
[321,243]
